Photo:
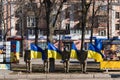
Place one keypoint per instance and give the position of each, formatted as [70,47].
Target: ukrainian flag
[54,52]
[15,51]
[1,49]
[94,52]
[98,43]
[74,52]
[37,52]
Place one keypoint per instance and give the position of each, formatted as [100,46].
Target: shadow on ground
[115,75]
[36,68]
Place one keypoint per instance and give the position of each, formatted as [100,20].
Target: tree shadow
[115,75]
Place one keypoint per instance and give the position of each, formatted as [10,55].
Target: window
[88,32]
[31,21]
[1,34]
[102,18]
[40,32]
[86,44]
[76,31]
[71,31]
[104,7]
[102,33]
[117,15]
[43,45]
[31,32]
[118,1]
[67,26]
[117,26]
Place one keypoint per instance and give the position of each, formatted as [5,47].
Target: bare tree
[37,13]
[108,8]
[38,7]
[85,9]
[48,6]
[94,13]
[51,22]
[2,21]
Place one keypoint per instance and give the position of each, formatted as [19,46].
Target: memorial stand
[5,55]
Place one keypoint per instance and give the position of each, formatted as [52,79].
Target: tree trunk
[93,17]
[36,30]
[85,7]
[49,33]
[108,20]
[51,28]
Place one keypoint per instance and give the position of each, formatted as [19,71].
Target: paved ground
[18,72]
[59,76]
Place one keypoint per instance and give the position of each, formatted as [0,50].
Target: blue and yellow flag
[37,52]
[98,43]
[15,51]
[74,52]
[1,49]
[95,53]
[54,52]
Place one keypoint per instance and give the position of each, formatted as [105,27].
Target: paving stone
[101,75]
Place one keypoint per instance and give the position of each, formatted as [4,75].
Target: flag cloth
[15,51]
[74,52]
[54,52]
[98,43]
[1,49]
[37,52]
[94,52]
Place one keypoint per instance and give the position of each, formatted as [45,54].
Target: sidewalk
[11,75]
[58,76]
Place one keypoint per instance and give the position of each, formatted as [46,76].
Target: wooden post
[27,59]
[67,66]
[52,64]
[44,66]
[48,67]
[30,66]
[82,57]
